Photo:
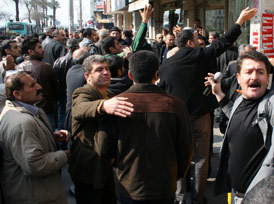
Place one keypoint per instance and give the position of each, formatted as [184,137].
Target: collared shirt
[31,108]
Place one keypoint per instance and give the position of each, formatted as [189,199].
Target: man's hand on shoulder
[118,106]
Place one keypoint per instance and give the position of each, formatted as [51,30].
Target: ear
[17,95]
[130,75]
[31,52]
[155,77]
[189,43]
[111,49]
[86,76]
[119,73]
[238,78]
[7,51]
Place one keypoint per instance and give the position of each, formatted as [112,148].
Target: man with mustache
[247,151]
[91,104]
[30,170]
[43,73]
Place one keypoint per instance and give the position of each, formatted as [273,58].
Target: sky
[62,13]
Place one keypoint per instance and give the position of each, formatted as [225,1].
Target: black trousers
[87,194]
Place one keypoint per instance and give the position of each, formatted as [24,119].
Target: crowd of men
[106,101]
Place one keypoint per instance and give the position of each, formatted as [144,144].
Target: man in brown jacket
[43,73]
[93,176]
[153,146]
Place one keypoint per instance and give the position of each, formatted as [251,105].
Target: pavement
[211,199]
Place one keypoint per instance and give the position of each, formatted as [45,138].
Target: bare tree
[29,5]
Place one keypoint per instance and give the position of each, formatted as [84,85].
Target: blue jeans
[127,200]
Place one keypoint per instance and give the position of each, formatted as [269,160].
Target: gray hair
[215,34]
[243,46]
[103,33]
[87,65]
[80,55]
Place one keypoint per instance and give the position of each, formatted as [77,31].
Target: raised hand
[146,13]
[245,15]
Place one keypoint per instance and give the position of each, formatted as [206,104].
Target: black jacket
[54,50]
[183,74]
[156,48]
[61,67]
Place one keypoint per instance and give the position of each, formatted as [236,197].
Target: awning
[137,5]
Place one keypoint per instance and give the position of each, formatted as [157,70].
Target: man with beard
[43,73]
[247,151]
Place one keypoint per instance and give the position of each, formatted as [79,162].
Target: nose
[254,75]
[38,86]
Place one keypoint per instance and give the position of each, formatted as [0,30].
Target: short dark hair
[88,32]
[183,37]
[171,34]
[6,45]
[14,83]
[254,55]
[115,63]
[108,43]
[128,33]
[143,65]
[29,44]
[87,64]
[201,37]
[261,193]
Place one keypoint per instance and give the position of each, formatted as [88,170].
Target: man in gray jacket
[30,171]
[247,151]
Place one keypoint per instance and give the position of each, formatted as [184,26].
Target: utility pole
[71,17]
[80,20]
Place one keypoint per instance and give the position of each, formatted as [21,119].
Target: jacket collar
[144,88]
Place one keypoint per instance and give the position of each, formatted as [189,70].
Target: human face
[117,47]
[159,38]
[253,79]
[201,43]
[32,91]
[211,39]
[62,36]
[94,37]
[14,50]
[169,41]
[99,76]
[38,52]
[116,34]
